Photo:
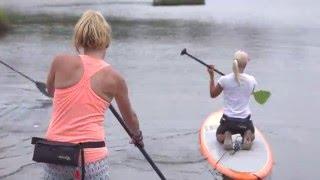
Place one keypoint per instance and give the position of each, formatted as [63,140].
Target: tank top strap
[91,65]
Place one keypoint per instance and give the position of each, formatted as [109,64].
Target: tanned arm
[126,110]
[215,90]
[51,77]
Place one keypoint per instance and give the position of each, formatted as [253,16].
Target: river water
[170,92]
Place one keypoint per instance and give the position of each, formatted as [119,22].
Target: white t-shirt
[236,98]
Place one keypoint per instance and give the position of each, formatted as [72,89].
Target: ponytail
[239,63]
[235,68]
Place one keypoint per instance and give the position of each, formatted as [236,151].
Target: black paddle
[142,150]
[40,85]
[42,88]
[184,52]
[260,96]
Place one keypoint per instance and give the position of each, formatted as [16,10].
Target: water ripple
[17,171]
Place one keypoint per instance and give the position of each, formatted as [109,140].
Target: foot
[227,143]
[247,140]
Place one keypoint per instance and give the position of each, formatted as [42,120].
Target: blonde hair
[92,31]
[239,64]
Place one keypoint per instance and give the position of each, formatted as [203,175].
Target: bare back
[68,71]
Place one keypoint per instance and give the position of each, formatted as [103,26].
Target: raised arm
[215,90]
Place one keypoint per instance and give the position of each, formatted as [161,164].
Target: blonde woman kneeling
[237,88]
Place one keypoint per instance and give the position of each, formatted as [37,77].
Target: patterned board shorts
[98,170]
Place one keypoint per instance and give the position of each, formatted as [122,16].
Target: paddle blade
[42,88]
[261,96]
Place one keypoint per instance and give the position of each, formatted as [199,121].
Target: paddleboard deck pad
[243,164]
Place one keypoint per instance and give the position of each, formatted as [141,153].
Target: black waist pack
[61,153]
[55,152]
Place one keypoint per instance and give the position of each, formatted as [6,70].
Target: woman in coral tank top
[83,87]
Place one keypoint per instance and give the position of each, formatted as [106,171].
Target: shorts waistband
[227,118]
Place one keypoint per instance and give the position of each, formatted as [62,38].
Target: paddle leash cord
[236,148]
[220,159]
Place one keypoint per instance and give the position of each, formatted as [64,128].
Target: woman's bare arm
[126,110]
[215,90]
[51,77]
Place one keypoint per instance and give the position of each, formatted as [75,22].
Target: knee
[220,138]
[249,134]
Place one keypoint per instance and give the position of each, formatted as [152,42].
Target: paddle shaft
[115,113]
[23,75]
[203,63]
[142,150]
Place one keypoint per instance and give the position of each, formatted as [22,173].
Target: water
[170,92]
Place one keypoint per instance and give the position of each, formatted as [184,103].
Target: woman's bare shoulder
[60,58]
[66,60]
[112,73]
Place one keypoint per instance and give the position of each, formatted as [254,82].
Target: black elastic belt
[95,144]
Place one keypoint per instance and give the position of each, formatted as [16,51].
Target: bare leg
[248,138]
[227,143]
[220,138]
[225,139]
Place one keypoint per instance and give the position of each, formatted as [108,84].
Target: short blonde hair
[92,31]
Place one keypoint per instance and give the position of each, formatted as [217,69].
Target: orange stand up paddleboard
[242,165]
